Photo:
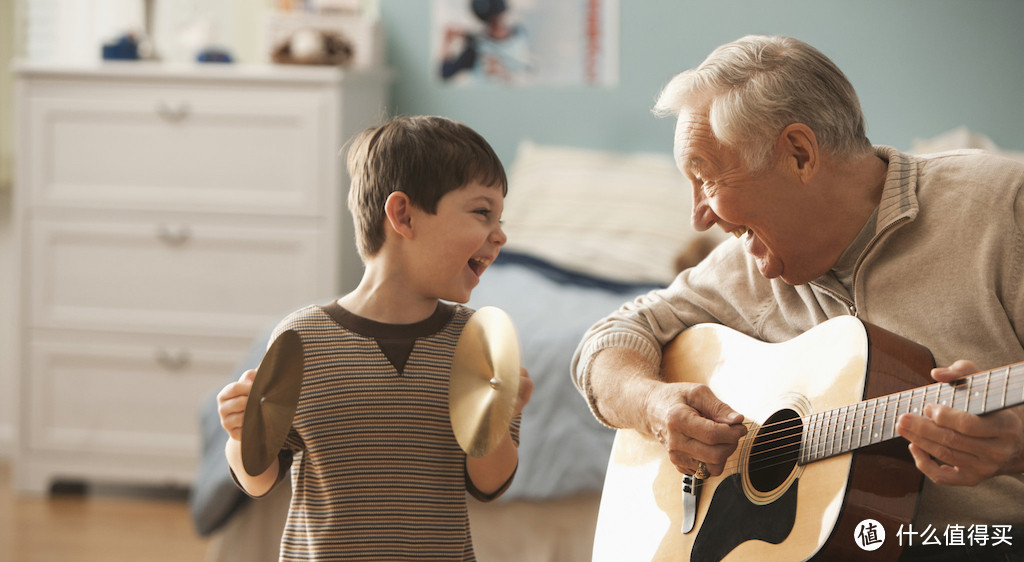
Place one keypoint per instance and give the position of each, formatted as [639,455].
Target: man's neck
[855,191]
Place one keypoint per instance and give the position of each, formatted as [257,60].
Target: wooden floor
[102,525]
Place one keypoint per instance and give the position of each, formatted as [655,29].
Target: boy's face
[455,245]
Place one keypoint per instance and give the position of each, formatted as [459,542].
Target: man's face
[764,209]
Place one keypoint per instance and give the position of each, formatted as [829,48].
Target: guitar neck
[851,427]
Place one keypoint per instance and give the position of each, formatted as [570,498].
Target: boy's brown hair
[424,157]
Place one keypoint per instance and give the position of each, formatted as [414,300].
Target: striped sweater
[378,474]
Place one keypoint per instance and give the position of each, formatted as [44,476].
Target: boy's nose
[498,236]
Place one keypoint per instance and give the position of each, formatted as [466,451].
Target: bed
[588,230]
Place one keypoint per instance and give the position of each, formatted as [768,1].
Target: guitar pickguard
[721,531]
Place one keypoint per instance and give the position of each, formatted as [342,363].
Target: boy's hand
[525,390]
[231,402]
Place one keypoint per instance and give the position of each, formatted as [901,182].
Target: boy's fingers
[248,376]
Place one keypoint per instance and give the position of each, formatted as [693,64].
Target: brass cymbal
[272,402]
[484,382]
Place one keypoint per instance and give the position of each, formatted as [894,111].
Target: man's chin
[770,269]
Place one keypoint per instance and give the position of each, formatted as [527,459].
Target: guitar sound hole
[774,453]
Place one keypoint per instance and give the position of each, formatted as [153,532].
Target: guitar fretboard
[851,427]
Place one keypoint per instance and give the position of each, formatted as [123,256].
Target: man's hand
[955,448]
[694,426]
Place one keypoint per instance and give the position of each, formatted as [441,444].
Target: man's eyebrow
[695,163]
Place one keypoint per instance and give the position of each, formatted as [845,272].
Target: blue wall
[921,67]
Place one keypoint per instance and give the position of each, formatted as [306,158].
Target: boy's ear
[398,211]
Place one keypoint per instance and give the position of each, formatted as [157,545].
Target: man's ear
[398,212]
[799,146]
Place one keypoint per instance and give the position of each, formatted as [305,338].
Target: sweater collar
[899,194]
[898,204]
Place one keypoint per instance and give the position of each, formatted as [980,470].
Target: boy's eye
[488,214]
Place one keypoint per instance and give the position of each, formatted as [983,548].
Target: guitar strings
[788,457]
[871,406]
[778,455]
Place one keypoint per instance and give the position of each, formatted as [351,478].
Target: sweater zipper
[851,305]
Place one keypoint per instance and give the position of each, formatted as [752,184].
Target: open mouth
[742,232]
[478,265]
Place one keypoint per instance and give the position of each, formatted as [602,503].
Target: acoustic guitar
[820,457]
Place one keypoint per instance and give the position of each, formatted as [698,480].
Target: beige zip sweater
[945,268]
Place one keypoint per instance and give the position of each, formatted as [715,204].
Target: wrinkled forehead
[694,142]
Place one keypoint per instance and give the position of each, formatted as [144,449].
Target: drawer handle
[172,113]
[173,360]
[174,236]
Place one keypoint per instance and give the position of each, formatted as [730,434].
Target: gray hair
[759,85]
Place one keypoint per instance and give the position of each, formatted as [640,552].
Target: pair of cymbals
[484,382]
[482,392]
[272,402]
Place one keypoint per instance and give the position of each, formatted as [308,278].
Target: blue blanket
[563,449]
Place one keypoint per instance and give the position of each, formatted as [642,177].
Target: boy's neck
[386,301]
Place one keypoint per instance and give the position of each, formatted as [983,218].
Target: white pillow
[958,138]
[623,217]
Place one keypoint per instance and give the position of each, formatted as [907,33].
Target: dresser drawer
[139,395]
[164,216]
[194,277]
[180,146]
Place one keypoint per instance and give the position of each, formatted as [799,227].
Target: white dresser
[166,216]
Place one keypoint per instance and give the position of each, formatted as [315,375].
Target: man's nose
[701,217]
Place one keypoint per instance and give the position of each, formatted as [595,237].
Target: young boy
[376,470]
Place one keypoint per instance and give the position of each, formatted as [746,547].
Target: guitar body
[787,511]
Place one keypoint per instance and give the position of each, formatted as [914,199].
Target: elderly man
[771,137]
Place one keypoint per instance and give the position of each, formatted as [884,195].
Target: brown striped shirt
[378,474]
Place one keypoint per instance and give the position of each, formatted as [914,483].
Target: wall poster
[526,42]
